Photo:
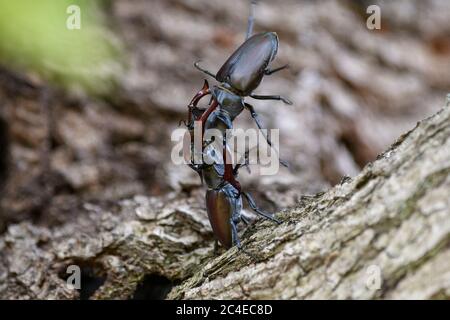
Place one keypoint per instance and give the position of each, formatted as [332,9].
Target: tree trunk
[383,234]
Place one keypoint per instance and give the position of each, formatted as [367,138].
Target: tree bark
[383,234]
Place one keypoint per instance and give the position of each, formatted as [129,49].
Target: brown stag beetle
[240,75]
[224,194]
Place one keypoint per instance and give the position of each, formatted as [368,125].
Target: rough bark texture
[354,91]
[74,167]
[393,216]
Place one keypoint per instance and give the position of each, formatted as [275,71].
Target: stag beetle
[239,76]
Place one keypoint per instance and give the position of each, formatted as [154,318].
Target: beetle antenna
[197,66]
[251,19]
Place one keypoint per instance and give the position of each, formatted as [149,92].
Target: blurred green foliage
[34,36]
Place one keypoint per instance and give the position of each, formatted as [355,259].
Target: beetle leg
[216,246]
[240,165]
[251,19]
[197,168]
[271,97]
[234,234]
[244,220]
[269,71]
[255,208]
[209,73]
[260,127]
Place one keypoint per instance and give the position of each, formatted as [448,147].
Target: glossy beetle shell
[245,68]
[220,205]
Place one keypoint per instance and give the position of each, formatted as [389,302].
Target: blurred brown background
[354,92]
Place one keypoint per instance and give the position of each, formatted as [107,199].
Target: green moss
[34,36]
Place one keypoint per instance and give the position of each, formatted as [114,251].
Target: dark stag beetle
[238,77]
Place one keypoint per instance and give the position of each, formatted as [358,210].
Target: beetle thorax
[229,101]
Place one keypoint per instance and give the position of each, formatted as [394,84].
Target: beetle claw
[286,101]
[255,208]
[245,220]
[239,76]
[234,233]
[271,97]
